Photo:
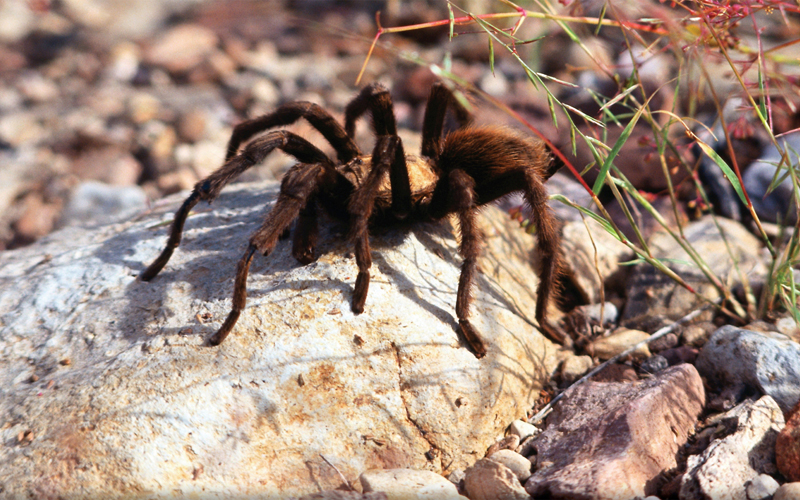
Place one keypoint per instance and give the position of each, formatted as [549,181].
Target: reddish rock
[611,440]
[787,446]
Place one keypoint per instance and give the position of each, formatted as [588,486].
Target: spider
[454,174]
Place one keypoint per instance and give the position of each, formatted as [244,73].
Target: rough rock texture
[788,491]
[107,388]
[767,362]
[519,465]
[723,469]
[787,446]
[406,484]
[491,480]
[611,440]
[592,257]
[655,300]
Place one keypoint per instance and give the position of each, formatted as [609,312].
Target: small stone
[607,312]
[678,355]
[762,487]
[788,491]
[574,367]
[697,334]
[618,342]
[522,429]
[490,480]
[518,464]
[509,442]
[494,84]
[654,364]
[344,495]
[456,476]
[192,125]
[668,341]
[407,484]
[182,48]
[143,107]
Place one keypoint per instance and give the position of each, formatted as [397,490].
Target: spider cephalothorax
[455,174]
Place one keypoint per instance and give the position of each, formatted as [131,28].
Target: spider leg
[388,156]
[435,112]
[297,188]
[461,199]
[289,113]
[376,99]
[209,188]
[549,241]
[305,234]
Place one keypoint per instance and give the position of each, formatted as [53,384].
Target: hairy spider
[469,167]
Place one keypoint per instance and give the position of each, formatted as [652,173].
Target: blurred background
[108,105]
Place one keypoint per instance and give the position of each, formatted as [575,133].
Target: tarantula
[469,167]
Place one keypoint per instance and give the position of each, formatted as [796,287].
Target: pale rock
[574,367]
[407,484]
[522,429]
[109,383]
[788,491]
[519,465]
[491,480]
[618,342]
[182,48]
[344,495]
[723,469]
[655,300]
[591,259]
[762,487]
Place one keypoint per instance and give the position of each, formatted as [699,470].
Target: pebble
[618,342]
[654,364]
[182,48]
[522,429]
[762,487]
[788,491]
[574,367]
[490,480]
[518,464]
[408,484]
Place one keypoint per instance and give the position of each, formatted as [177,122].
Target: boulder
[108,389]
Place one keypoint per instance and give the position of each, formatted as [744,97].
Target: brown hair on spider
[455,174]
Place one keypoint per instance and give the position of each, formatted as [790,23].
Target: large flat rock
[107,387]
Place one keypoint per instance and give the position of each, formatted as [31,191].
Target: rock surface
[724,468]
[406,484]
[611,440]
[107,388]
[491,480]
[769,363]
[655,300]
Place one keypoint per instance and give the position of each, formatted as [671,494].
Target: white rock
[522,429]
[143,406]
[725,467]
[407,484]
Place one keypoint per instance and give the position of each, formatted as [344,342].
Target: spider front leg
[297,188]
[209,188]
[388,155]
